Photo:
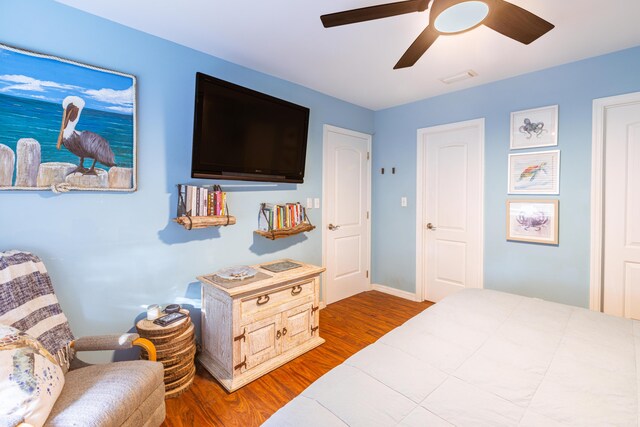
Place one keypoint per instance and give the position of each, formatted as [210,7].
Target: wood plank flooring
[347,326]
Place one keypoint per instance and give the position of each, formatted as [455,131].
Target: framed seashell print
[534,221]
[65,125]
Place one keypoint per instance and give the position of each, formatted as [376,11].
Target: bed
[482,357]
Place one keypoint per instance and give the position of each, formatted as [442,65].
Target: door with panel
[296,326]
[451,208]
[621,245]
[263,341]
[346,212]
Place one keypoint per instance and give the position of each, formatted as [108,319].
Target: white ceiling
[286,39]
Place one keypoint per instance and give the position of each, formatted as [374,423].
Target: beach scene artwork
[64,125]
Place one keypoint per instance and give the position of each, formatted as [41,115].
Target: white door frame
[325,213]
[600,107]
[421,172]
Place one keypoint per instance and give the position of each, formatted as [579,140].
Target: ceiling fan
[448,17]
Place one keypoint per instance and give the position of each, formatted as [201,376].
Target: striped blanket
[28,303]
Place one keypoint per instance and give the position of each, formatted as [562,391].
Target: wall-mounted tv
[246,135]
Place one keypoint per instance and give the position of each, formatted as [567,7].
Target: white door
[450,208]
[621,272]
[345,216]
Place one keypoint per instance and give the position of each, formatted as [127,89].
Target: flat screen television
[242,134]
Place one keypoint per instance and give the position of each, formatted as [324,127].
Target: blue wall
[110,255]
[556,273]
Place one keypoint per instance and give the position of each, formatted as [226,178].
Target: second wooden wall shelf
[285,232]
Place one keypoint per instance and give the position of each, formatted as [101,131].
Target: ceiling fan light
[461,17]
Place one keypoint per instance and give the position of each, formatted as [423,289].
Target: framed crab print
[534,221]
[534,128]
[535,172]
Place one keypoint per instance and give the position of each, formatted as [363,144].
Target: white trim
[420,172]
[597,192]
[395,292]
[325,130]
[419,219]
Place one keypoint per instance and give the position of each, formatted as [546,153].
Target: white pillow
[30,378]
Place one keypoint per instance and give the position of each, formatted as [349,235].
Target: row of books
[201,201]
[277,217]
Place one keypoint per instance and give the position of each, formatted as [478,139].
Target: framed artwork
[534,128]
[65,125]
[533,221]
[534,173]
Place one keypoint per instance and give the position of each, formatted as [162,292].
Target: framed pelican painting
[65,125]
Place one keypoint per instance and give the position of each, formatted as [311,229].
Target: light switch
[309,203]
[316,203]
[403,202]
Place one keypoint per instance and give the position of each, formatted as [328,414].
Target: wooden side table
[175,348]
[253,326]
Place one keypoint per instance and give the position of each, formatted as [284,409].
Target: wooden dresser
[253,326]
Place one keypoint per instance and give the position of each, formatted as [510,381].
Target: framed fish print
[534,173]
[537,127]
[65,125]
[534,221]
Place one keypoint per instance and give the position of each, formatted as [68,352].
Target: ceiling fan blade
[373,12]
[516,22]
[417,48]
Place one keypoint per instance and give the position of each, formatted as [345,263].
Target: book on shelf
[278,217]
[195,200]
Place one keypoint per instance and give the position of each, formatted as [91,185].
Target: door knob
[333,227]
[430,227]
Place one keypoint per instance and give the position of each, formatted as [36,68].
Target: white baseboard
[395,292]
[323,305]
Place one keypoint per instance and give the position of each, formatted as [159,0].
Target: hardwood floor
[347,326]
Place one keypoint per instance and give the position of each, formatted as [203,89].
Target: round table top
[148,328]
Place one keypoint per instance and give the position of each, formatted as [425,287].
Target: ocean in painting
[41,120]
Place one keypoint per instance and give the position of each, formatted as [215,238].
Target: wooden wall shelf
[191,222]
[285,232]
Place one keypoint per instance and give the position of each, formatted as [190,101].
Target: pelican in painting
[82,143]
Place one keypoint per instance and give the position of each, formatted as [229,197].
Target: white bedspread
[484,358]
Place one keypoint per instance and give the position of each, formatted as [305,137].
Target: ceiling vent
[459,77]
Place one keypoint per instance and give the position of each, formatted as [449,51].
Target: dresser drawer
[268,301]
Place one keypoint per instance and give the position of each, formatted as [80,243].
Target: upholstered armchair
[129,393]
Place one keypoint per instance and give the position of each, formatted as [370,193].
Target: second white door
[450,208]
[621,271]
[346,207]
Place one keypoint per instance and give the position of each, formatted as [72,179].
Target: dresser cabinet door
[263,341]
[296,326]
